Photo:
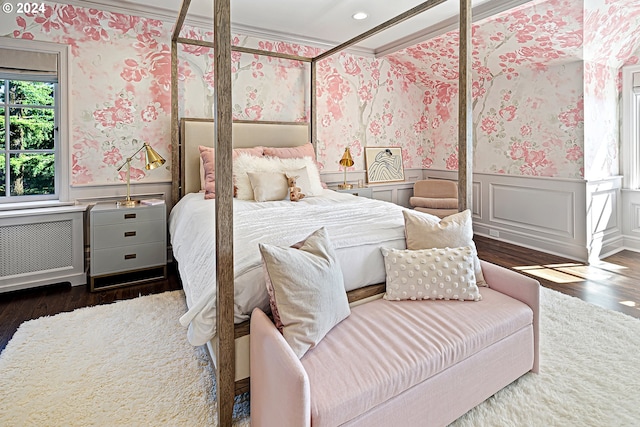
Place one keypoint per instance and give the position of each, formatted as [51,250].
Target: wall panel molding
[544,214]
[551,212]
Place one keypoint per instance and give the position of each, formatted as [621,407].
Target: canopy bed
[226,136]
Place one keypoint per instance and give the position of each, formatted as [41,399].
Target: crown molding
[478,13]
[206,23]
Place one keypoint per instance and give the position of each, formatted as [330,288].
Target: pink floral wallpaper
[611,36]
[527,92]
[120,87]
[361,101]
[121,91]
[546,89]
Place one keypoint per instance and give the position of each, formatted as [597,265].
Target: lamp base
[345,186]
[127,203]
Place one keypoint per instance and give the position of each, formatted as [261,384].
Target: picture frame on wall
[384,164]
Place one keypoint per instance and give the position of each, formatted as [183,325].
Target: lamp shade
[346,160]
[154,159]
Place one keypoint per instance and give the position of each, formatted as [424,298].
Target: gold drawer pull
[129,233]
[130,256]
[129,216]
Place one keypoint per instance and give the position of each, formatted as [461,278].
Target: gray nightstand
[128,245]
[357,191]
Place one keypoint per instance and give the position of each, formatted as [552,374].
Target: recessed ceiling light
[360,15]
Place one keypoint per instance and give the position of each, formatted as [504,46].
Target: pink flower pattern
[408,98]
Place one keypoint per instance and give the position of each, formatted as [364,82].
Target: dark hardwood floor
[613,283]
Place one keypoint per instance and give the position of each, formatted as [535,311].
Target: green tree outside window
[29,145]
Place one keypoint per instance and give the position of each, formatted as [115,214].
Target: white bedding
[357,226]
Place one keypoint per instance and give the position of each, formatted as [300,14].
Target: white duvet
[357,227]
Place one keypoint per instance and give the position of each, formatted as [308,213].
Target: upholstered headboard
[196,132]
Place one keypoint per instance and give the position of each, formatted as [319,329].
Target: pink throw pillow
[255,151]
[305,150]
[207,154]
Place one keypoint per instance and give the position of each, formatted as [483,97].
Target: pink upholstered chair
[436,197]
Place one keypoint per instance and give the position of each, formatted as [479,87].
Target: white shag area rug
[129,364]
[122,364]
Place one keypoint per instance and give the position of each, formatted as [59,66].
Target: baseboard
[573,252]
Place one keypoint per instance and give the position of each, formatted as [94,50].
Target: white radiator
[41,247]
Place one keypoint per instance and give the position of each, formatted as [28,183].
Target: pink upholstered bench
[399,363]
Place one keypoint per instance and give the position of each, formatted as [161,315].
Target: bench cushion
[386,347]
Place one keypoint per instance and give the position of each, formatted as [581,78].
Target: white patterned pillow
[442,274]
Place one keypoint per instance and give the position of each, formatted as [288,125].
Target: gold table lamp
[153,161]
[346,161]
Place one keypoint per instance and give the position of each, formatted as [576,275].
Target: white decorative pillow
[425,231]
[303,181]
[244,163]
[436,274]
[268,186]
[314,185]
[308,289]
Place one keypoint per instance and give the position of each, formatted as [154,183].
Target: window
[631,126]
[33,125]
[28,111]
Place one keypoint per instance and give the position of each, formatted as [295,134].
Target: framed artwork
[384,164]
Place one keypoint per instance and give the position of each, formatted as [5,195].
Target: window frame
[62,121]
[630,129]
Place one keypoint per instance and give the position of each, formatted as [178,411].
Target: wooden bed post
[225,339]
[175,151]
[465,111]
[312,107]
[176,183]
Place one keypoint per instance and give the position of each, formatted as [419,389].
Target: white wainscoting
[533,212]
[568,217]
[631,219]
[604,218]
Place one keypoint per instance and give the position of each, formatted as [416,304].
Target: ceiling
[324,23]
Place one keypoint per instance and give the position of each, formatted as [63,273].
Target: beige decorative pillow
[268,186]
[424,231]
[436,274]
[308,289]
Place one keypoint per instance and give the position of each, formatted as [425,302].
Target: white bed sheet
[357,227]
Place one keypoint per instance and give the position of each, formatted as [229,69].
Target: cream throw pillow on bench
[436,274]
[425,231]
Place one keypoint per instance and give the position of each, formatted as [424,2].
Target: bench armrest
[522,288]
[280,393]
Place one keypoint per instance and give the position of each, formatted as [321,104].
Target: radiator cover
[41,247]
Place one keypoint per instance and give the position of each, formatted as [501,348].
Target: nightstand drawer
[135,233]
[105,261]
[128,215]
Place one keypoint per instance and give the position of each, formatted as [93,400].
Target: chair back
[436,188]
